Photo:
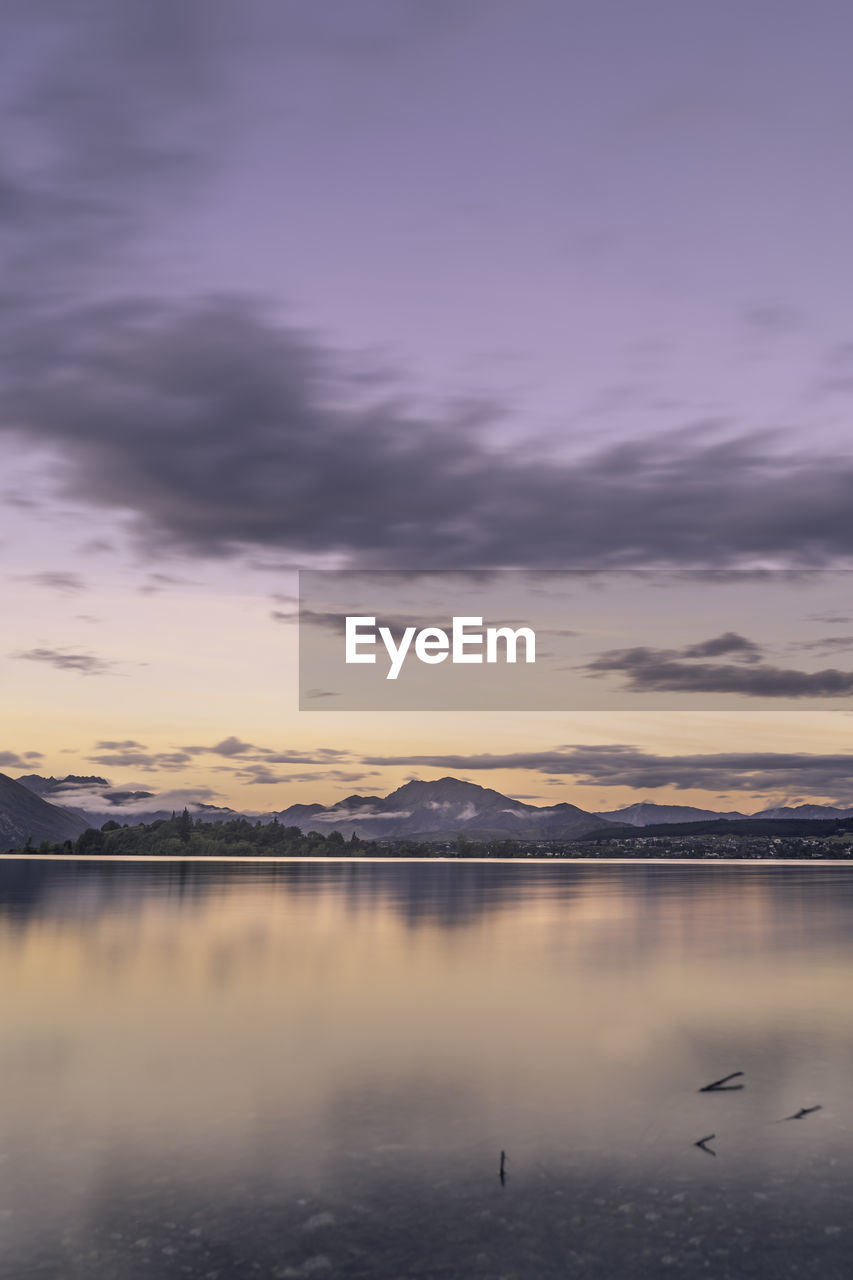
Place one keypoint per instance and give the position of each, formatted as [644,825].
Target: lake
[311,1069]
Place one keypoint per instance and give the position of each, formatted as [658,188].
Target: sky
[411,284]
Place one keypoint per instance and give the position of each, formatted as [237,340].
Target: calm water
[310,1069]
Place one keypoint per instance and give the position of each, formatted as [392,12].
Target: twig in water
[722,1086]
[502,1171]
[702,1141]
[804,1111]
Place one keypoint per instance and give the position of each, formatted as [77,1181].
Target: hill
[644,814]
[24,815]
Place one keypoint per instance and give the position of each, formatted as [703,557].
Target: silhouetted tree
[91,841]
[185,826]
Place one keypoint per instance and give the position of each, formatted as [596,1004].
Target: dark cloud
[619,765]
[729,642]
[119,746]
[222,430]
[324,755]
[232,747]
[54,580]
[827,644]
[158,582]
[115,109]
[11,760]
[105,108]
[96,547]
[20,501]
[773,319]
[837,378]
[142,760]
[259,775]
[88,664]
[660,670]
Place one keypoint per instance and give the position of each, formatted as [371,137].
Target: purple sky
[419,281]
[593,222]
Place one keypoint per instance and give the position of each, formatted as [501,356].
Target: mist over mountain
[60,808]
[444,809]
[26,816]
[96,801]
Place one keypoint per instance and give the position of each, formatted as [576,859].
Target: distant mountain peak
[443,809]
[647,813]
[41,786]
[25,815]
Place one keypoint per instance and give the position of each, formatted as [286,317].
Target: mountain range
[448,807]
[57,809]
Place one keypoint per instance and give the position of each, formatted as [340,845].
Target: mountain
[645,814]
[51,786]
[437,811]
[441,810]
[24,815]
[96,802]
[813,812]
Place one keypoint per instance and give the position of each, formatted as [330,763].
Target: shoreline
[552,861]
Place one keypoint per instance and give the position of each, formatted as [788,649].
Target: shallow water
[310,1069]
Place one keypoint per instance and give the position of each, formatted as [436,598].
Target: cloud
[622,765]
[11,760]
[234,748]
[837,378]
[19,501]
[129,803]
[660,670]
[88,664]
[363,815]
[96,547]
[158,582]
[221,430]
[55,580]
[259,774]
[773,319]
[729,642]
[119,746]
[142,759]
[231,747]
[323,755]
[827,644]
[141,399]
[106,108]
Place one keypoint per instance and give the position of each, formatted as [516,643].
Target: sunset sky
[412,284]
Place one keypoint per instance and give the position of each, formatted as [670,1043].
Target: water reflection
[263,1068]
